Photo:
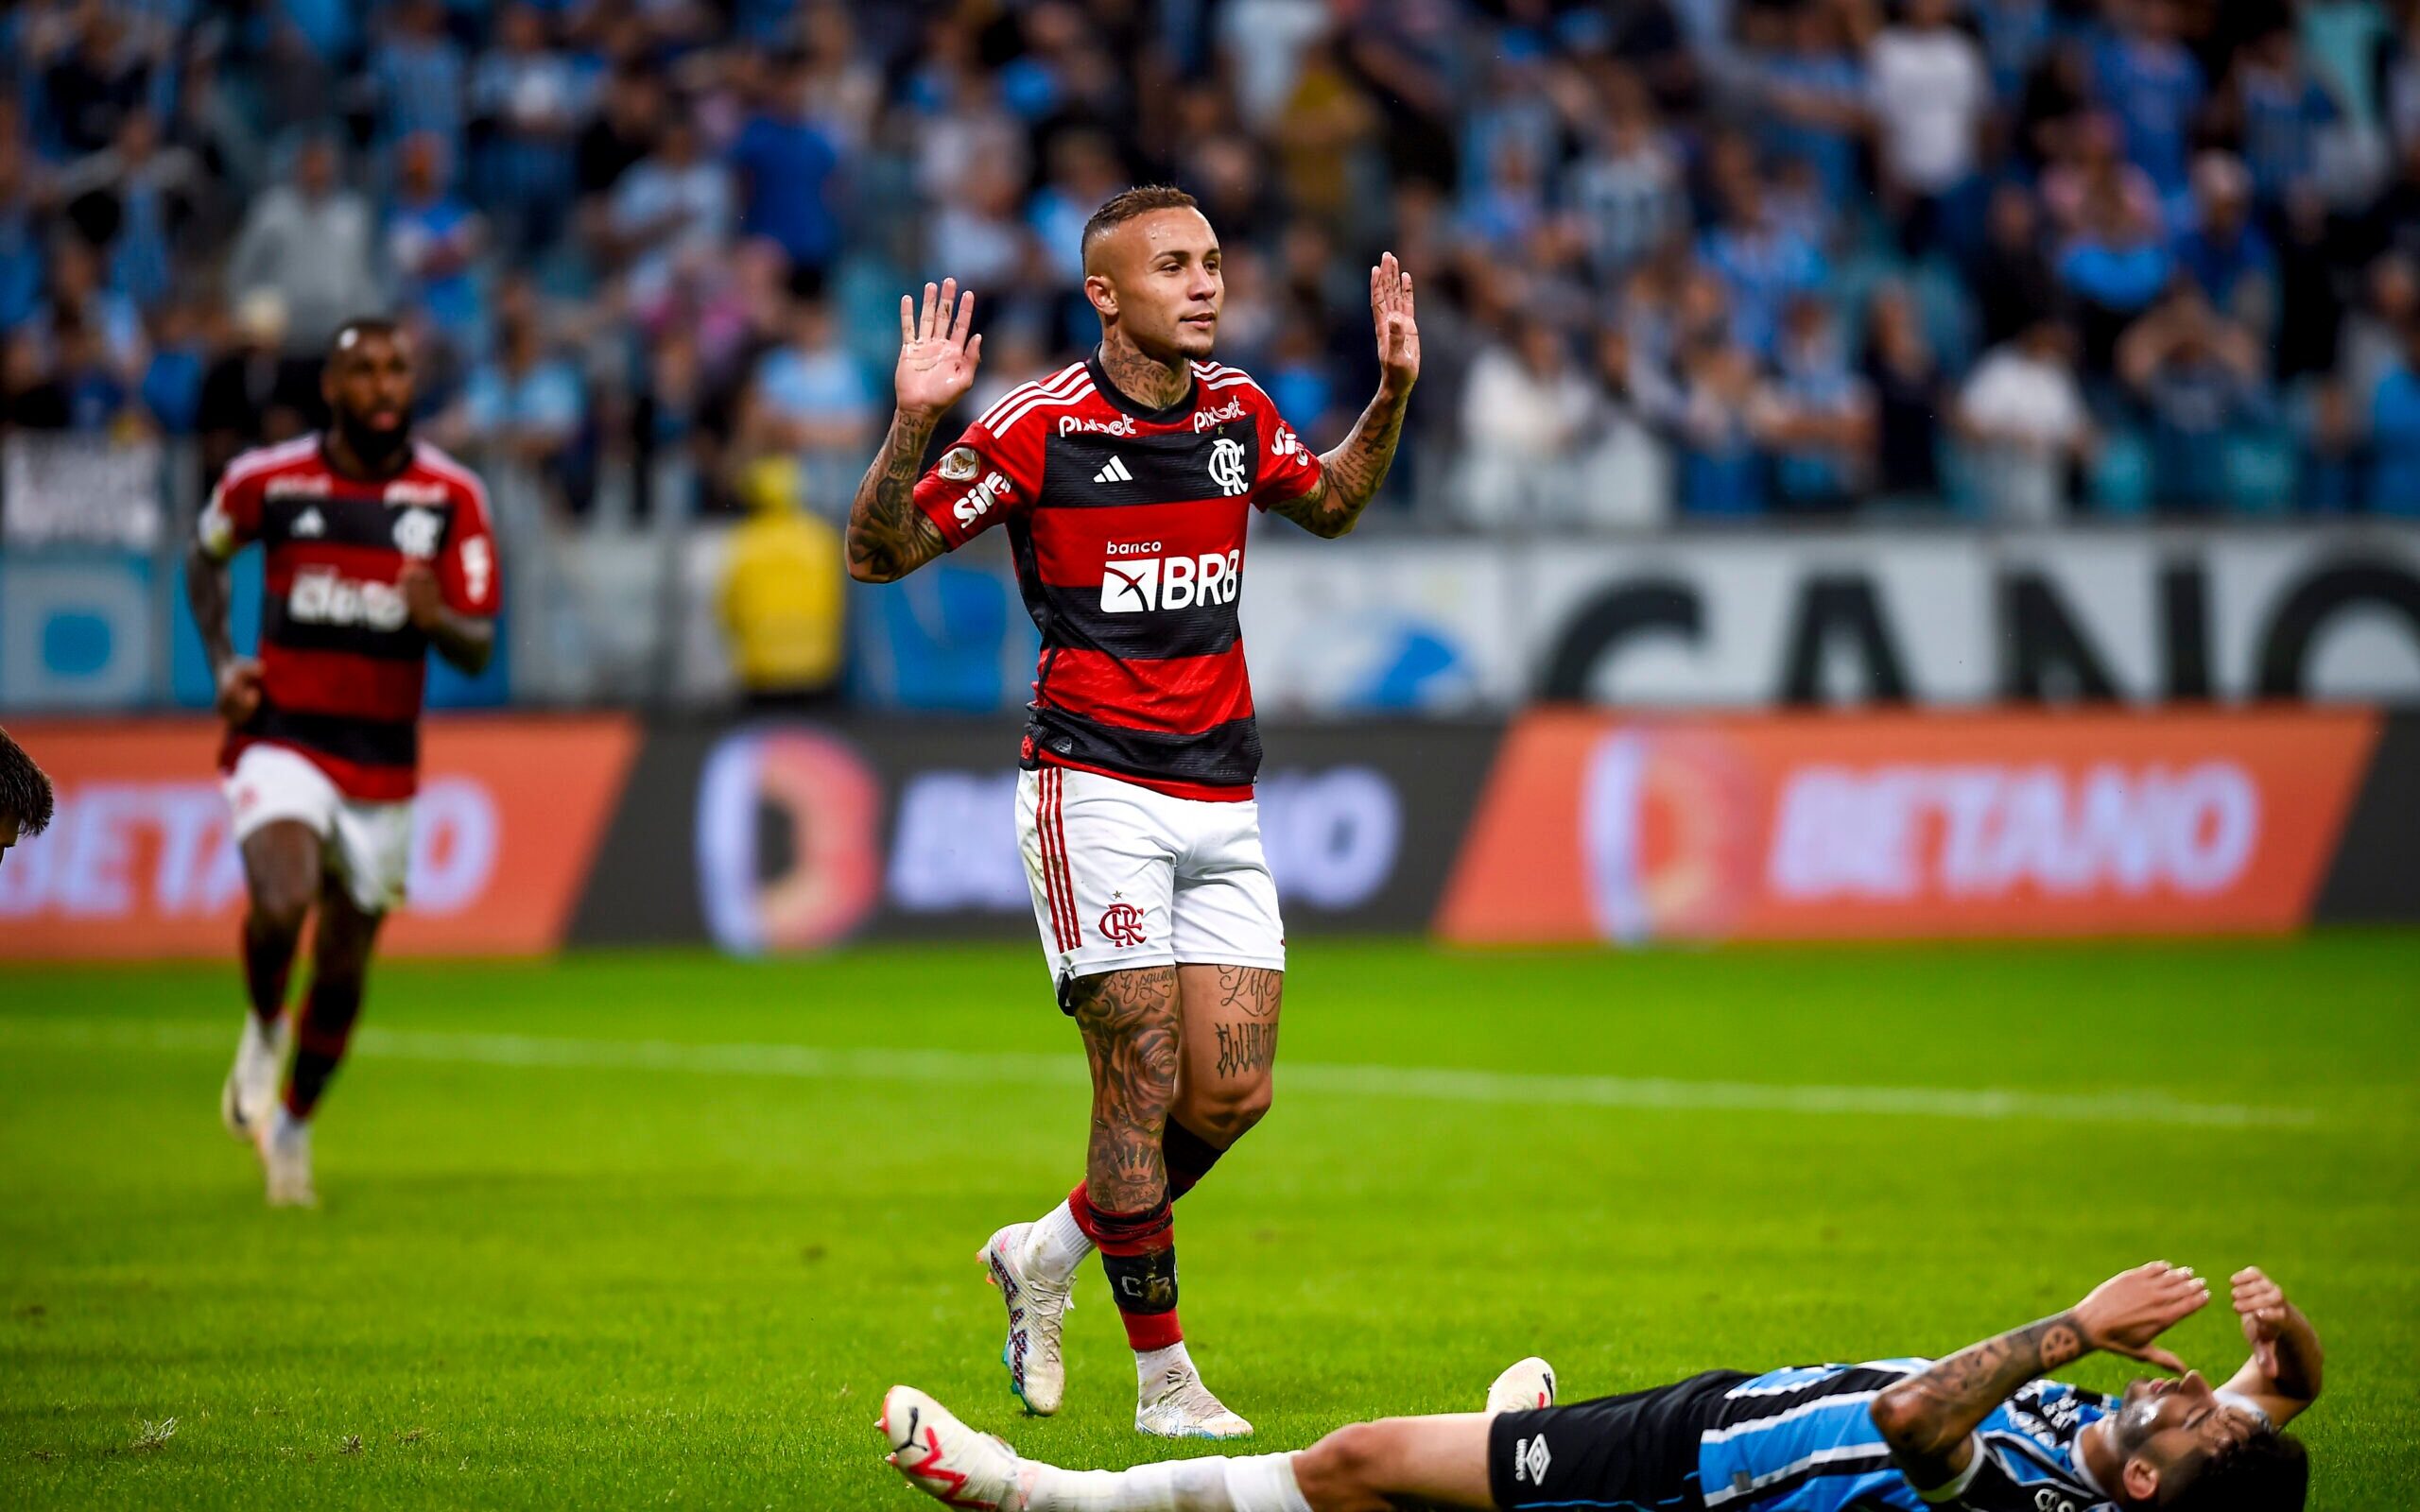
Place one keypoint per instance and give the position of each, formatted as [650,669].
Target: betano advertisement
[1803,827]
[1571,826]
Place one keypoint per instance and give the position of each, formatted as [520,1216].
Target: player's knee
[1225,1115]
[280,904]
[1349,1469]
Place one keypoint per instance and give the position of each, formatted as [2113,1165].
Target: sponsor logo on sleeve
[960,463]
[994,491]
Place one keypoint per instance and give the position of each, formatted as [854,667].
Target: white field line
[1413,1083]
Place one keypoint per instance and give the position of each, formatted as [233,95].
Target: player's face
[368,385]
[1162,268]
[2172,1426]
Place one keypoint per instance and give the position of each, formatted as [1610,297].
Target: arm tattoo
[1129,1021]
[889,537]
[1927,1418]
[1350,474]
[1254,990]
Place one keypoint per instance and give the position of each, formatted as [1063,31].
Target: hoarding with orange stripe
[1596,826]
[140,861]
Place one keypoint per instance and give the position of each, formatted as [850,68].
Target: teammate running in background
[1977,1431]
[25,795]
[379,547]
[1127,482]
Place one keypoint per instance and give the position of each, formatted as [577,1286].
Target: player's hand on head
[239,689]
[938,349]
[2127,1312]
[1398,331]
[422,597]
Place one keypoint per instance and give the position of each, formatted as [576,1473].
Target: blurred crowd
[2012,260]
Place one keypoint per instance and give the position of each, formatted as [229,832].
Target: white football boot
[1523,1387]
[945,1459]
[1177,1405]
[1037,1370]
[285,1145]
[252,1081]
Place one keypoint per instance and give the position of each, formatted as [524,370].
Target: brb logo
[1122,925]
[1229,467]
[1140,584]
[324,598]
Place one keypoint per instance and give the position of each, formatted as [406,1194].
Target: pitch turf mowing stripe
[1430,1084]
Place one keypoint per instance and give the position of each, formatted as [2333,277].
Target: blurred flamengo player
[379,548]
[1126,482]
[1978,1432]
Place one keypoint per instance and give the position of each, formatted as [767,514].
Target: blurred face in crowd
[368,389]
[1159,280]
[315,170]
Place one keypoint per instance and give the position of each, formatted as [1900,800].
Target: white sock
[1264,1482]
[1055,1247]
[1151,1367]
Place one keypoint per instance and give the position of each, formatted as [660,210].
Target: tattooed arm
[889,537]
[1930,1418]
[1350,474]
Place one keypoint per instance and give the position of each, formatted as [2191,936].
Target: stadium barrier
[1566,826]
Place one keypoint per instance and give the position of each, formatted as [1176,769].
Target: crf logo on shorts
[1137,585]
[1122,924]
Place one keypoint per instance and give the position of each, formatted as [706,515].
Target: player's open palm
[2127,1312]
[938,349]
[1398,331]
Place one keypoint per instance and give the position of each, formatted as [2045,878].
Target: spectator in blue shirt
[2153,83]
[1816,89]
[788,170]
[2395,433]
[433,245]
[419,74]
[1762,263]
[2281,110]
[1815,418]
[2199,376]
[2113,268]
[2223,251]
[171,387]
[528,99]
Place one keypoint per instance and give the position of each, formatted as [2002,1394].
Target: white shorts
[1124,877]
[366,846]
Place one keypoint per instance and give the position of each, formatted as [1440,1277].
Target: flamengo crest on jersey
[1126,527]
[341,665]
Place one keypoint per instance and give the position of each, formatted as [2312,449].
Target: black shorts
[1635,1451]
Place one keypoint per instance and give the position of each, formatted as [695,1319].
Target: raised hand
[938,350]
[2260,1303]
[2127,1312]
[1398,331]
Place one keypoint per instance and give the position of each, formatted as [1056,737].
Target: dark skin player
[368,387]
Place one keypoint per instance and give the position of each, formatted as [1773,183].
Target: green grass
[654,1283]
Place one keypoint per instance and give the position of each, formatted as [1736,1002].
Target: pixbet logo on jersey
[1137,585]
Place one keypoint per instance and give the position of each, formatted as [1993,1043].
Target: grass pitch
[658,1230]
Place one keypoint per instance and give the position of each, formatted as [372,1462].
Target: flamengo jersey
[341,663]
[1128,529]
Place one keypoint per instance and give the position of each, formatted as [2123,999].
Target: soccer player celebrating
[378,548]
[1126,482]
[1977,1430]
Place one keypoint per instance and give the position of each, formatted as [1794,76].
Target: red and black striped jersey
[341,663]
[1128,528]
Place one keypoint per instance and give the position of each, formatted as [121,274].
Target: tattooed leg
[1129,1021]
[1229,1015]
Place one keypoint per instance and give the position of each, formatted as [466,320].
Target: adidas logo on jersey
[310,523]
[1115,472]
[1139,585]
